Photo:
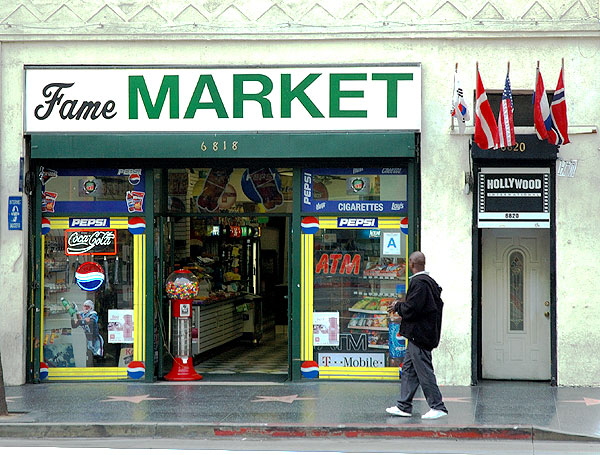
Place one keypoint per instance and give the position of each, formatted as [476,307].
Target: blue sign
[89,222]
[357,223]
[15,213]
[316,196]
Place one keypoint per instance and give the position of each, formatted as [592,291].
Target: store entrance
[231,228]
[257,343]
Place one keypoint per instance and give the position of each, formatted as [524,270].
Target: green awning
[224,145]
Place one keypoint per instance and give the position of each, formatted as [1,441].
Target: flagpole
[454,94]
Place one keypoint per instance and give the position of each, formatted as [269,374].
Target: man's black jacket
[422,312]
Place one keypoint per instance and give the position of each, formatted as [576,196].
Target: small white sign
[391,244]
[326,328]
[566,168]
[120,326]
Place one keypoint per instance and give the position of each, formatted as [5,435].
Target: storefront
[304,179]
[515,200]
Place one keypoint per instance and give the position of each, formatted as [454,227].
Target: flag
[486,132]
[459,107]
[541,109]
[506,124]
[558,134]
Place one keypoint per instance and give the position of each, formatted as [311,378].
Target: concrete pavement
[267,406]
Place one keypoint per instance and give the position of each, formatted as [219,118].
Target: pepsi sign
[346,222]
[89,276]
[89,222]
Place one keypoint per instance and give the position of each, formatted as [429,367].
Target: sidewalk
[218,407]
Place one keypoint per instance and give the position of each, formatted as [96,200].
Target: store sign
[101,242]
[351,359]
[337,263]
[354,223]
[103,99]
[89,222]
[514,198]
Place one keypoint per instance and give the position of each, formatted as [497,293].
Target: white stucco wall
[446,211]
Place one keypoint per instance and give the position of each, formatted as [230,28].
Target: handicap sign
[15,213]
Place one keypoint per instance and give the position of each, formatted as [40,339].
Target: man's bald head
[416,262]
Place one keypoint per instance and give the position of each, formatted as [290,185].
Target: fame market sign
[102,99]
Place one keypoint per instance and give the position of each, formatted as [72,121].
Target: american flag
[506,125]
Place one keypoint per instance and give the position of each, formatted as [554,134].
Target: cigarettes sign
[514,198]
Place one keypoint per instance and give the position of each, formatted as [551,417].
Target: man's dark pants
[418,370]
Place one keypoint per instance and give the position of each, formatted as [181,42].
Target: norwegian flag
[506,125]
[558,134]
[486,132]
[459,107]
[541,110]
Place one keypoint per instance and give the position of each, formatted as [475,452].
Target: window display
[88,298]
[359,267]
[362,190]
[230,190]
[92,190]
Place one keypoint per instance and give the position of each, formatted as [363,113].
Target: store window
[92,269]
[88,303]
[357,272]
[355,264]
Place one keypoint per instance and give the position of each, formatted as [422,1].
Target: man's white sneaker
[434,414]
[398,412]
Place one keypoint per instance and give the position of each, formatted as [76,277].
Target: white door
[516,304]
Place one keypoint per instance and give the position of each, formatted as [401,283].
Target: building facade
[137,139]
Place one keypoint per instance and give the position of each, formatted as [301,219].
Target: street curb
[262,431]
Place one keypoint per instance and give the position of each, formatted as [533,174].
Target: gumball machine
[181,288]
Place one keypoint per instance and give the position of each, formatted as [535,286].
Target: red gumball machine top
[182,285]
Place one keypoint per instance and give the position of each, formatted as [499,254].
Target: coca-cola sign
[99,242]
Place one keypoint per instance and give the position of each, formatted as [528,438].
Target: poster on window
[326,329]
[120,326]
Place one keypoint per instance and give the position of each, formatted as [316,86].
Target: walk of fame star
[281,399]
[133,399]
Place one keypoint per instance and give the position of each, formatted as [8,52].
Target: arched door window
[516,309]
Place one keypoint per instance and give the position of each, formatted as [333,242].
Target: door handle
[547,314]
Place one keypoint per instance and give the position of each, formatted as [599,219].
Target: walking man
[421,325]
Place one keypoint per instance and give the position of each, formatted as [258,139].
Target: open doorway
[261,347]
[231,228]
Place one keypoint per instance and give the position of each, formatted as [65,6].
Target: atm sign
[343,222]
